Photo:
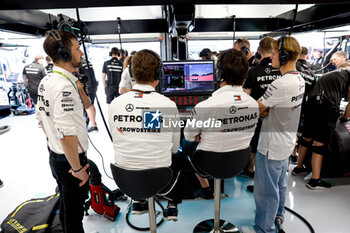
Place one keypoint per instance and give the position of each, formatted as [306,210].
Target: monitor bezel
[194,92]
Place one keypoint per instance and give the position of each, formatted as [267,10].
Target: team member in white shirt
[283,100]
[141,139]
[127,81]
[61,99]
[236,111]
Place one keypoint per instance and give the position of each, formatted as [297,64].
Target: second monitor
[188,77]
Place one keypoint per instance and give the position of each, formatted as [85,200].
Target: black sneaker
[1,183]
[250,188]
[170,213]
[139,207]
[297,171]
[247,174]
[92,129]
[318,184]
[294,159]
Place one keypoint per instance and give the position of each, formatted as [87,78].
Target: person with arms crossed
[281,104]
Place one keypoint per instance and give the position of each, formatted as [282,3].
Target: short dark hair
[234,66]
[114,51]
[51,45]
[143,66]
[205,53]
[48,59]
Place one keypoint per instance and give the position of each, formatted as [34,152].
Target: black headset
[245,50]
[283,55]
[63,52]
[110,53]
[158,73]
[219,73]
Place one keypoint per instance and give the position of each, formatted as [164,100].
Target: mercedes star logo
[129,107]
[233,110]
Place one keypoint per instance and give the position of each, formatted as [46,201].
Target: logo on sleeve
[151,119]
[66,93]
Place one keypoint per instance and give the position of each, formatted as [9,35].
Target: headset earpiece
[130,72]
[158,73]
[219,73]
[245,50]
[63,52]
[283,55]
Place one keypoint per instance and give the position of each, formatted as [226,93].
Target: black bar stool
[219,165]
[143,184]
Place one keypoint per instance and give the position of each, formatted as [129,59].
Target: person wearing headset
[111,75]
[259,78]
[61,99]
[141,117]
[282,101]
[237,111]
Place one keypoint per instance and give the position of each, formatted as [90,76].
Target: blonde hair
[291,45]
[38,57]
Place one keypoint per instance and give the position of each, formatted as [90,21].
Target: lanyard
[64,75]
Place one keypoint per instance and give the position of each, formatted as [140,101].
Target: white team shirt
[127,81]
[139,139]
[238,114]
[279,129]
[60,109]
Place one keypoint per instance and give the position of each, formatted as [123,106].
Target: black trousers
[72,196]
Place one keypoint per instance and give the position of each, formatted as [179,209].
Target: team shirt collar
[143,87]
[228,88]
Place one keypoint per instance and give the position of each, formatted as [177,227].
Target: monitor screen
[188,76]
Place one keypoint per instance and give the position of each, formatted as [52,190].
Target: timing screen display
[181,77]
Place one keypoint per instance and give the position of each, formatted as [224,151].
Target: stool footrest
[207,226]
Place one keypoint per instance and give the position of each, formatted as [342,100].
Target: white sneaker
[247,229]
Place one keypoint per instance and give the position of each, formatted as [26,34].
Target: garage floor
[25,171]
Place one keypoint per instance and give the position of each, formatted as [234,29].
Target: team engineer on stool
[61,98]
[140,139]
[112,71]
[237,111]
[277,138]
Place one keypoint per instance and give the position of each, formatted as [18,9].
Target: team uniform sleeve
[125,80]
[273,95]
[104,68]
[190,133]
[65,104]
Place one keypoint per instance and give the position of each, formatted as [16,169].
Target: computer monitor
[183,77]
